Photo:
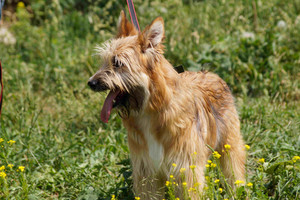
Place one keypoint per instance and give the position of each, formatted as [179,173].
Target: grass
[54,119]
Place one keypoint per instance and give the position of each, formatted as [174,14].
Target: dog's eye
[116,63]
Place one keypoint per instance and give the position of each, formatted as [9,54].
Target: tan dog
[168,116]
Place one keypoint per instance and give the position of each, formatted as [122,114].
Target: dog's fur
[168,116]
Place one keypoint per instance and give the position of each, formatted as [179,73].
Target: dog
[168,116]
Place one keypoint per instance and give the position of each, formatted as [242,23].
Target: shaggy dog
[168,116]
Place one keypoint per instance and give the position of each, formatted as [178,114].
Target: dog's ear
[125,28]
[153,35]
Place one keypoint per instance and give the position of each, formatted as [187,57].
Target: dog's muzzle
[97,85]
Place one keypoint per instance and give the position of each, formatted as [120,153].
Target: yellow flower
[207,165]
[193,166]
[137,198]
[295,158]
[227,146]
[217,181]
[177,198]
[262,160]
[171,176]
[216,155]
[182,170]
[221,190]
[195,153]
[167,183]
[2,174]
[249,184]
[10,165]
[2,168]
[113,197]
[21,168]
[213,165]
[207,178]
[11,142]
[1,140]
[209,161]
[238,182]
[247,147]
[21,5]
[192,190]
[174,165]
[196,184]
[225,199]
[184,183]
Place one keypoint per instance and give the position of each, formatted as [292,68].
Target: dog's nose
[93,84]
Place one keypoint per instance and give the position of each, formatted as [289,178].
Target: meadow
[53,144]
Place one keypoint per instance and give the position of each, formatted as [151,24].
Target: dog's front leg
[146,184]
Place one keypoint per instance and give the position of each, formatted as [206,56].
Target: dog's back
[217,103]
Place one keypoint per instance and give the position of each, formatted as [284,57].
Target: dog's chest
[155,149]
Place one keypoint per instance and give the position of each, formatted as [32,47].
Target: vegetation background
[47,54]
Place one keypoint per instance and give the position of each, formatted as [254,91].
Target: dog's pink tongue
[108,104]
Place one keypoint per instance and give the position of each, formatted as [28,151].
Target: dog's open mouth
[113,99]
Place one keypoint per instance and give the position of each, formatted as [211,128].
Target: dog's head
[127,66]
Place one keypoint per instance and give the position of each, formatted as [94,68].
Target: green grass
[68,153]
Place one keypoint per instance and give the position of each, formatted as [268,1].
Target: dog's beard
[125,102]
